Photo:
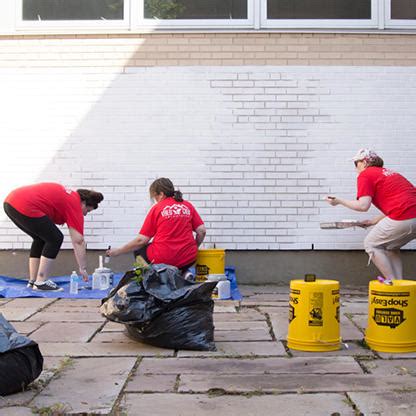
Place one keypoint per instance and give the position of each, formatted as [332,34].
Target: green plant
[163,9]
[139,271]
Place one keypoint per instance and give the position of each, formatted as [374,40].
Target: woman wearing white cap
[395,197]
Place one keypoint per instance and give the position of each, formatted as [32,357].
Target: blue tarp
[16,288]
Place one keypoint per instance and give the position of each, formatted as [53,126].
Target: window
[401,14]
[195,9]
[319,13]
[319,9]
[50,16]
[192,13]
[72,10]
[403,9]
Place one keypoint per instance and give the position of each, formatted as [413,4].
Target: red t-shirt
[171,225]
[391,193]
[60,204]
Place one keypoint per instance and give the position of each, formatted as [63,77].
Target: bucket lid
[102,270]
[216,277]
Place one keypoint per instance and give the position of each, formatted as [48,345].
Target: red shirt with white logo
[53,200]
[391,193]
[171,225]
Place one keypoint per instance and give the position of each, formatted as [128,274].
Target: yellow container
[392,316]
[314,316]
[209,261]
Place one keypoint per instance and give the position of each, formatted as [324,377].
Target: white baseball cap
[365,154]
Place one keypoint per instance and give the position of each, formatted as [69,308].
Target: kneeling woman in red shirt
[171,223]
[35,209]
[395,197]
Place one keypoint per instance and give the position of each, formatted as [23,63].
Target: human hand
[332,200]
[365,223]
[84,275]
[112,252]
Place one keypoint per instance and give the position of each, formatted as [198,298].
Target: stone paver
[17,314]
[243,335]
[204,405]
[395,403]
[313,365]
[152,383]
[292,383]
[254,349]
[77,390]
[38,303]
[394,367]
[65,332]
[26,328]
[101,349]
[252,372]
[67,317]
[113,336]
[349,348]
[16,411]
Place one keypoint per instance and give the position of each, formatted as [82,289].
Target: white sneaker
[30,284]
[47,285]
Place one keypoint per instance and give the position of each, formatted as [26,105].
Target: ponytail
[177,196]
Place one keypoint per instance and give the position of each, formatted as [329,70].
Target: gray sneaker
[47,285]
[30,284]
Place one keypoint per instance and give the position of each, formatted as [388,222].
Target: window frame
[372,23]
[42,25]
[396,23]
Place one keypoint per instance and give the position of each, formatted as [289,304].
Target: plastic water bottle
[73,283]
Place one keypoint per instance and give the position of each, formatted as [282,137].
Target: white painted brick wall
[254,148]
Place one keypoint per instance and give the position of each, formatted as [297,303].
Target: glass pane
[319,9]
[195,9]
[73,9]
[403,9]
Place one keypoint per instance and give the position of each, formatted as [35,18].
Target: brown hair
[165,185]
[91,198]
[375,161]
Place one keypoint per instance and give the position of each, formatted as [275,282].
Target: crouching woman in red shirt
[395,197]
[170,224]
[35,209]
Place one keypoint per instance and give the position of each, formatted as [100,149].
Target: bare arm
[363,204]
[135,244]
[80,251]
[373,221]
[200,234]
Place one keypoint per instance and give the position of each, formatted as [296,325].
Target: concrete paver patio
[92,367]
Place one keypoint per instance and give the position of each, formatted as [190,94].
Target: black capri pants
[47,238]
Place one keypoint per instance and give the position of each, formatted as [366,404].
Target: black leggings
[143,252]
[47,238]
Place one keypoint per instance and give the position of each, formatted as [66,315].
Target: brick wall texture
[255,129]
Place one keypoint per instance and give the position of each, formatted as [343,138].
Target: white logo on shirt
[175,210]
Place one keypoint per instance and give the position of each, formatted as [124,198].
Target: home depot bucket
[314,315]
[392,316]
[209,261]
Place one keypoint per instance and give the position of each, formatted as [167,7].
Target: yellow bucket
[314,316]
[209,261]
[392,316]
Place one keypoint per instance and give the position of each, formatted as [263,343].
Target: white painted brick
[254,149]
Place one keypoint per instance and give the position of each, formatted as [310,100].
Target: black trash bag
[163,309]
[21,362]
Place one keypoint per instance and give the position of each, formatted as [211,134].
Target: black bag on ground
[20,359]
[163,309]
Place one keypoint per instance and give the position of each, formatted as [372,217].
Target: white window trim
[396,23]
[195,23]
[320,23]
[60,25]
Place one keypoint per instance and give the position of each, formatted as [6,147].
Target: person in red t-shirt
[35,209]
[395,197]
[169,225]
